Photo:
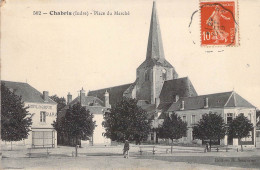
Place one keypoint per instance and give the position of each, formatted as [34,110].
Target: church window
[164,74]
[146,75]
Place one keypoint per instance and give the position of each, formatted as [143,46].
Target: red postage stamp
[219,23]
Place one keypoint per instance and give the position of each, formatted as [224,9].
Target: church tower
[152,73]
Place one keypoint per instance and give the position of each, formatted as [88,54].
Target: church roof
[155,52]
[216,100]
[155,45]
[181,87]
[152,62]
[115,93]
[27,92]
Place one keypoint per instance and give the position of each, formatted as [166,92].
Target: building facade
[228,104]
[43,110]
[96,107]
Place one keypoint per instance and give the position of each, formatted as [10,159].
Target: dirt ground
[141,157]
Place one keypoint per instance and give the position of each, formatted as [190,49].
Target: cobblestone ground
[141,157]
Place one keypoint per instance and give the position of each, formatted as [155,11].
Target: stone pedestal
[226,140]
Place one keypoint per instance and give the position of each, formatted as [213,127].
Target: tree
[60,101]
[172,128]
[240,128]
[127,121]
[210,127]
[77,123]
[15,119]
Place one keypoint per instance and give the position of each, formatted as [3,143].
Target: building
[98,108]
[44,112]
[158,90]
[227,104]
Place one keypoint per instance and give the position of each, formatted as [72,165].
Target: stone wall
[143,87]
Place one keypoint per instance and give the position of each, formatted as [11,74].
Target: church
[153,76]
[160,92]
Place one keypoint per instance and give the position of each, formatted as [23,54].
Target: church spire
[155,46]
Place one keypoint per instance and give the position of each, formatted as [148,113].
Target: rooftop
[115,93]
[216,100]
[181,87]
[27,92]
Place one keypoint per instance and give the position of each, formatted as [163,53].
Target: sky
[61,53]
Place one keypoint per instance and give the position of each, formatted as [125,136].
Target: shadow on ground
[44,155]
[103,154]
[242,162]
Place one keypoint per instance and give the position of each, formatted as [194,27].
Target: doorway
[230,140]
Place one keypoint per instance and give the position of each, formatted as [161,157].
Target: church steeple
[155,46]
[152,73]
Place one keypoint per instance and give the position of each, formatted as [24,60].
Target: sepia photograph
[148,84]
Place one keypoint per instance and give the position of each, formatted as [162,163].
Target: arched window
[146,75]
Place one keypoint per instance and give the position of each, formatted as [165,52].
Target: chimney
[206,102]
[45,96]
[176,98]
[182,105]
[69,98]
[107,105]
[82,97]
[157,102]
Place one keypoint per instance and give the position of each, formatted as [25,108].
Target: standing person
[207,147]
[126,149]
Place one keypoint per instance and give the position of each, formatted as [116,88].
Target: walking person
[126,149]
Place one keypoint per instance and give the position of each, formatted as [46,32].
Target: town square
[125,91]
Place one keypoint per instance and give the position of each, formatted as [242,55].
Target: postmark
[219,23]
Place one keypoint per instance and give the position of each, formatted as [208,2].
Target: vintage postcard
[112,84]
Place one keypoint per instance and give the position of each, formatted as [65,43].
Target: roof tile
[27,92]
[115,93]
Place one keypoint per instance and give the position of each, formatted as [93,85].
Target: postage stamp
[219,23]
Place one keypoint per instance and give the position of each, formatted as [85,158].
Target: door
[230,140]
[42,139]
